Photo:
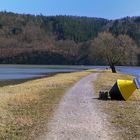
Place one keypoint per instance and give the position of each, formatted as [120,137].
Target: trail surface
[77,116]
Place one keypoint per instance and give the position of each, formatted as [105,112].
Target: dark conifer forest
[65,40]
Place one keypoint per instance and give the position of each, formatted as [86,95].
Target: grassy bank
[124,116]
[25,108]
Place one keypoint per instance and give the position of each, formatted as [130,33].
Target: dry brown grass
[124,116]
[25,108]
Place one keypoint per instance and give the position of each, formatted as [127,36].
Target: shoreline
[20,81]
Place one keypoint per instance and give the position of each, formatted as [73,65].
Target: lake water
[135,71]
[12,72]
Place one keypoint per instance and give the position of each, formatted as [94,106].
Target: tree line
[30,39]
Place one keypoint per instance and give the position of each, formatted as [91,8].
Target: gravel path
[77,116]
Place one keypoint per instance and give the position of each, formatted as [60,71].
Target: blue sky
[110,9]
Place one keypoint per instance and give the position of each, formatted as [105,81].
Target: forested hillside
[29,39]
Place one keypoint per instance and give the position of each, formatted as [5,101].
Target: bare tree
[113,49]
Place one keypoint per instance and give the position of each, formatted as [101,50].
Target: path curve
[77,116]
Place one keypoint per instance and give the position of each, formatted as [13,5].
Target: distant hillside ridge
[30,39]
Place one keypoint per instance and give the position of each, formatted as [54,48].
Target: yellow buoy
[126,87]
[123,89]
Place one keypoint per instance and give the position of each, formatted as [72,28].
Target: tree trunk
[113,68]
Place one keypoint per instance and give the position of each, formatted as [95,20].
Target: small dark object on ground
[103,95]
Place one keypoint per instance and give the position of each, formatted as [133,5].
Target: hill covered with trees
[29,39]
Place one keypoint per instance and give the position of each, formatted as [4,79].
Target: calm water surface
[12,72]
[135,71]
